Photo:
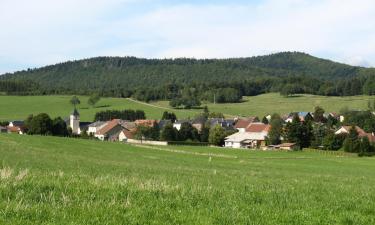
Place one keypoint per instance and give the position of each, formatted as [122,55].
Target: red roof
[112,124]
[258,127]
[241,123]
[128,133]
[359,130]
[14,129]
[146,123]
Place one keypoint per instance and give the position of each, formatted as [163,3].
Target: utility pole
[214,98]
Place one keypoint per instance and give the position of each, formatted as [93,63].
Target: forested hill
[124,76]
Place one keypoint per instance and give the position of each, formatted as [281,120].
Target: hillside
[122,76]
[48,180]
[19,107]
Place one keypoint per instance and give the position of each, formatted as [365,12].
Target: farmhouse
[302,116]
[95,127]
[110,131]
[178,124]
[254,136]
[360,131]
[125,135]
[3,129]
[224,123]
[17,127]
[17,123]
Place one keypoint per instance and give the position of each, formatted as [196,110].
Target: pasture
[19,107]
[51,180]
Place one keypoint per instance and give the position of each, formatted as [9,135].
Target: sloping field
[48,180]
[19,107]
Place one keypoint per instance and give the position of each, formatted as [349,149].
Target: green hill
[19,107]
[49,180]
[123,76]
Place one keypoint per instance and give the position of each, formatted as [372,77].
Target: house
[3,129]
[302,116]
[110,131]
[199,123]
[360,131]
[145,123]
[16,123]
[16,130]
[224,123]
[178,123]
[241,125]
[16,127]
[125,135]
[254,136]
[94,127]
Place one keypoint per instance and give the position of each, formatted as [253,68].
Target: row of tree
[42,124]
[128,114]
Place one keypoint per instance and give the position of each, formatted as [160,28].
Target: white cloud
[41,32]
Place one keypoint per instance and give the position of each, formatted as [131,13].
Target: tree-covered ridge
[149,79]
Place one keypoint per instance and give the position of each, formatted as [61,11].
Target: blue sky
[41,32]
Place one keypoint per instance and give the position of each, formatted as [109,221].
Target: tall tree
[75,101]
[275,133]
[93,100]
[217,136]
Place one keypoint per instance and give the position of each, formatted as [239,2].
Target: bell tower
[74,122]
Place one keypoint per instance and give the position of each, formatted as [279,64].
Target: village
[240,133]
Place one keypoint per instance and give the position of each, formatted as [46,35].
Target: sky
[43,32]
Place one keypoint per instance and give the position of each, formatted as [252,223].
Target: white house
[254,136]
[178,124]
[110,131]
[94,127]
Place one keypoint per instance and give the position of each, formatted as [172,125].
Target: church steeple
[74,121]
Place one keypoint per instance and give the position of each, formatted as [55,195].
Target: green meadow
[19,107]
[51,180]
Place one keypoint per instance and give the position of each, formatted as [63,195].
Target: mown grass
[265,104]
[49,180]
[19,107]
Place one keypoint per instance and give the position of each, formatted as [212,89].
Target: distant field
[19,107]
[49,180]
[274,103]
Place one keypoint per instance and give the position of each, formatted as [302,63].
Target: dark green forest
[189,81]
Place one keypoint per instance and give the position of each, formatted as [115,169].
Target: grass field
[265,104]
[49,180]
[19,107]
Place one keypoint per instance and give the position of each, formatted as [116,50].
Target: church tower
[74,122]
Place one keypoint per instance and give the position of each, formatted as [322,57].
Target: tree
[319,132]
[169,116]
[147,133]
[333,142]
[365,146]
[275,133]
[205,133]
[299,133]
[168,133]
[40,124]
[217,136]
[75,101]
[352,143]
[319,115]
[93,99]
[265,120]
[59,127]
[188,132]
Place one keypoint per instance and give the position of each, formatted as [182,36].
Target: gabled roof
[18,123]
[258,128]
[128,133]
[146,123]
[360,131]
[97,124]
[241,123]
[128,124]
[108,127]
[182,121]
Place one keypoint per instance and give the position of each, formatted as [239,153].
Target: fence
[324,152]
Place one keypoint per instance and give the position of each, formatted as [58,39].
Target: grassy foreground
[19,107]
[48,180]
